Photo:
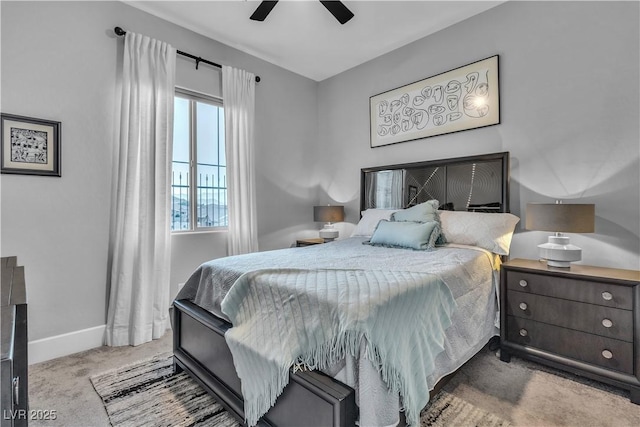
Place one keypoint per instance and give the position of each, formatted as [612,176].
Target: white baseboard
[66,344]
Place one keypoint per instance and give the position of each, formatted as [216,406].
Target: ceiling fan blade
[339,10]
[263,10]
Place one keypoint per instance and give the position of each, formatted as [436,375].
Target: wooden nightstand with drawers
[585,320]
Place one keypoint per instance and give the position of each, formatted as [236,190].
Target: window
[198,176]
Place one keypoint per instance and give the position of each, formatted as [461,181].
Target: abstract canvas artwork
[456,100]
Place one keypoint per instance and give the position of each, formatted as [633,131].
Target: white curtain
[140,245]
[238,91]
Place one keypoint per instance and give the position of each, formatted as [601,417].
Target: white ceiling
[303,37]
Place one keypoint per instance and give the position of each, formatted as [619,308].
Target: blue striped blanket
[282,317]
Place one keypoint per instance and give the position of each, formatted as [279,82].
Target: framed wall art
[30,146]
[461,99]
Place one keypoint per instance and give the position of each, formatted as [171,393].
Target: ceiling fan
[337,9]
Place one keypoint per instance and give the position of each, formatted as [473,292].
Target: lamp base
[559,252]
[329,233]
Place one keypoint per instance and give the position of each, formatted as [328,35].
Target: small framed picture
[30,146]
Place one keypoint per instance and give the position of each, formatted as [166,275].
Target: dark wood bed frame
[311,398]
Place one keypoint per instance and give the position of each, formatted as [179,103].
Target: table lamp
[328,215]
[559,217]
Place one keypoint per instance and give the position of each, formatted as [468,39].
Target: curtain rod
[120,32]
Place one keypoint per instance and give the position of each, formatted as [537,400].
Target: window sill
[204,231]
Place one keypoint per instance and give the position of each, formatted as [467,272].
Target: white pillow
[490,231]
[422,212]
[369,221]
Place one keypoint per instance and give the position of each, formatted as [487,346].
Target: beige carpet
[148,394]
[521,392]
[530,394]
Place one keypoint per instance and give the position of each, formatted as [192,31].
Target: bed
[355,383]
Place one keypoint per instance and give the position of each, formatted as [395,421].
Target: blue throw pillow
[405,234]
[423,212]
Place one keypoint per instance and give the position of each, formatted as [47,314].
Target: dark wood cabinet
[582,319]
[13,345]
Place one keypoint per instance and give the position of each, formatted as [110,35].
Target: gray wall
[569,115]
[569,91]
[65,68]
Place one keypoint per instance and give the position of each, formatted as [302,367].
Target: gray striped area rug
[447,410]
[147,393]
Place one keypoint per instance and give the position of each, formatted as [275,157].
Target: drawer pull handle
[523,306]
[523,332]
[16,390]
[523,283]
[607,296]
[607,323]
[607,354]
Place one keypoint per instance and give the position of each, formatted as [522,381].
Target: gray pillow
[405,234]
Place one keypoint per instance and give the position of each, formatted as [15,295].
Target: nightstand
[309,242]
[583,319]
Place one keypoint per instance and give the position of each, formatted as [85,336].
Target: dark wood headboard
[474,183]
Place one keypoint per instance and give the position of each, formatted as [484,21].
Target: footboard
[199,348]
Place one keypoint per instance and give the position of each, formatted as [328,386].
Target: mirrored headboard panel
[474,183]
